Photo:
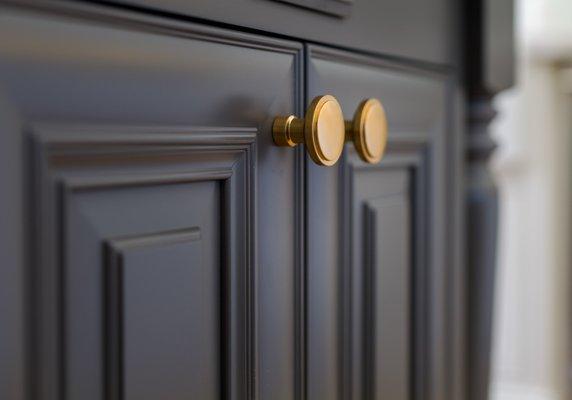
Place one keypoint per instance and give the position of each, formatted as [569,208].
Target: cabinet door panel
[387,283]
[171,326]
[149,265]
[383,266]
[137,130]
[149,256]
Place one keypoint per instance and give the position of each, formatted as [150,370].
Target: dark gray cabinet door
[167,248]
[379,321]
[150,219]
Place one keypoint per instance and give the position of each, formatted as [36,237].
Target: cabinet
[159,245]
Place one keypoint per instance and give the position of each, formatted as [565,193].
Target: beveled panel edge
[96,183]
[67,136]
[239,239]
[370,228]
[371,209]
[120,244]
[114,249]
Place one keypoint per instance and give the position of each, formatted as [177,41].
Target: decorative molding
[488,69]
[370,227]
[70,159]
[480,113]
[482,219]
[68,143]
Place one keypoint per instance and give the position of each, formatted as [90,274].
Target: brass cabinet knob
[368,130]
[322,130]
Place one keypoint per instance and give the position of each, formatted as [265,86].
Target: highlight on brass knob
[368,130]
[322,130]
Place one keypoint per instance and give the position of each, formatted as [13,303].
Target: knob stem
[288,131]
[349,125]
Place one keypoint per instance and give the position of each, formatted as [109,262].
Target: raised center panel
[165,309]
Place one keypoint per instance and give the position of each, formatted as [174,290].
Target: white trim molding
[508,391]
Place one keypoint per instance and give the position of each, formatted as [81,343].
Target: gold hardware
[322,131]
[368,130]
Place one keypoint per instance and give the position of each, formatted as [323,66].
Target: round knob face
[325,130]
[370,130]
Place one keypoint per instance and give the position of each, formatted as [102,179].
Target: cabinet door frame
[69,160]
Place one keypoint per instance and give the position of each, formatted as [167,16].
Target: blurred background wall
[533,168]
